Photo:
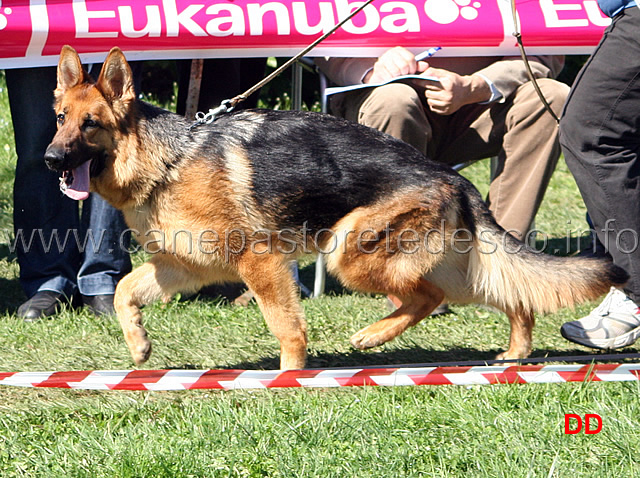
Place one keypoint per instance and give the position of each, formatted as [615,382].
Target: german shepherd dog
[238,199]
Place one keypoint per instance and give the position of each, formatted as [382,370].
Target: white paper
[342,89]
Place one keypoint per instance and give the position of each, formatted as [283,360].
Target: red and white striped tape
[257,379]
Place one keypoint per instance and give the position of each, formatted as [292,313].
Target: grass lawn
[487,431]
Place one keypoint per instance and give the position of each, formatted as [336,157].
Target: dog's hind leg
[416,305]
[522,322]
[387,249]
[269,277]
[158,279]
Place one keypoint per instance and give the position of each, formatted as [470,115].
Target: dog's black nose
[54,157]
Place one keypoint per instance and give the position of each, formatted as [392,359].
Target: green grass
[483,431]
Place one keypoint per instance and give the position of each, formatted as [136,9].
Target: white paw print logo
[3,18]
[448,11]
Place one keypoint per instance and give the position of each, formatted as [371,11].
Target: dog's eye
[89,123]
[60,119]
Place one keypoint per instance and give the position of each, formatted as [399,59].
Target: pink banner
[33,31]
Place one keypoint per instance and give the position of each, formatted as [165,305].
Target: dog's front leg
[269,278]
[160,278]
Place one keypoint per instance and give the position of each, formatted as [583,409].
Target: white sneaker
[615,323]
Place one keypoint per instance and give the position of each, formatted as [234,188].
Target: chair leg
[320,277]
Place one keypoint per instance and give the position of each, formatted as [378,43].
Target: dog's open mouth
[75,183]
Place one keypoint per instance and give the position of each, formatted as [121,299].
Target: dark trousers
[600,138]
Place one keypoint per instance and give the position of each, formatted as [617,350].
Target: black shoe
[442,309]
[44,304]
[99,304]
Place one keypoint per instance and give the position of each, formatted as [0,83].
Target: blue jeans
[60,246]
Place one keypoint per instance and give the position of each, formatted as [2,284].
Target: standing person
[54,266]
[481,107]
[600,138]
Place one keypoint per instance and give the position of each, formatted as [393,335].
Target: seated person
[481,107]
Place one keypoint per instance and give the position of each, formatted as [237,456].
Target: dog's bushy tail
[508,274]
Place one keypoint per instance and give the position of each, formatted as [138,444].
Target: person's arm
[454,91]
[345,71]
[394,62]
[509,73]
[492,83]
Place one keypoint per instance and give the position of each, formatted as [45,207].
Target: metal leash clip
[212,114]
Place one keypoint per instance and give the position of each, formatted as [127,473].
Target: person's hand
[395,62]
[453,91]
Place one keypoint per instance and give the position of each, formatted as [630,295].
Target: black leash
[523,54]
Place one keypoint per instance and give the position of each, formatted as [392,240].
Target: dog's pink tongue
[79,188]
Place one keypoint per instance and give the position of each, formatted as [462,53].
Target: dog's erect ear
[116,80]
[70,71]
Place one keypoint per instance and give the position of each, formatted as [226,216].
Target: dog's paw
[141,353]
[366,339]
[509,355]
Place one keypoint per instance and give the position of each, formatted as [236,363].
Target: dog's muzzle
[55,157]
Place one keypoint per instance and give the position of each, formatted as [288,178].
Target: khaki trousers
[519,132]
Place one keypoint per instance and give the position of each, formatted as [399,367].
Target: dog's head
[90,116]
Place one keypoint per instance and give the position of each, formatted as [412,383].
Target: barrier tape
[165,380]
